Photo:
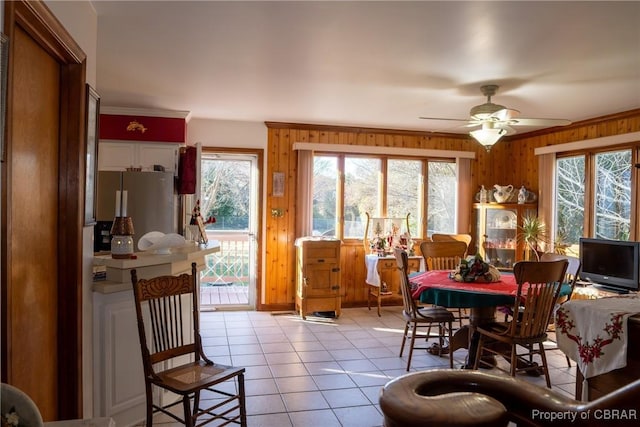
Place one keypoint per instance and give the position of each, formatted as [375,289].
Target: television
[614,264]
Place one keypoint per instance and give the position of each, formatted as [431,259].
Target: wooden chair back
[445,255]
[466,238]
[163,301]
[573,268]
[409,304]
[538,288]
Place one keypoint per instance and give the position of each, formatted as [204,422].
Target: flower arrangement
[11,418]
[474,269]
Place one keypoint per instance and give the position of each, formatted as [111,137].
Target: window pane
[225,193]
[361,193]
[403,191]
[570,175]
[613,195]
[441,204]
[325,179]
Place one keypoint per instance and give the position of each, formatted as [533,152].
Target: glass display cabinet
[497,235]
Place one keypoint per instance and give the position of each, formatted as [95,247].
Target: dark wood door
[42,192]
[33,212]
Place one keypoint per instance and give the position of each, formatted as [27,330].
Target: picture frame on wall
[92,126]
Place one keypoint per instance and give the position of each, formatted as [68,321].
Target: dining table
[481,298]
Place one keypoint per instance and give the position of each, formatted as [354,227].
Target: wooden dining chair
[571,277]
[167,310]
[538,289]
[420,317]
[439,237]
[445,255]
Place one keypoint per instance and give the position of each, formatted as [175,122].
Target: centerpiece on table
[474,269]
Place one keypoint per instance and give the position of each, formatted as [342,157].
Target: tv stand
[611,289]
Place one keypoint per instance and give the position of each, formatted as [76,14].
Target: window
[325,185]
[570,175]
[442,198]
[361,193]
[605,179]
[612,202]
[382,187]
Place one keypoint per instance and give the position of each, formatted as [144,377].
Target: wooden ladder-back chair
[571,277]
[538,288]
[445,255]
[167,309]
[423,317]
[466,238]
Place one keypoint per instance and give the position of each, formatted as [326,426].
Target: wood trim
[414,152]
[606,141]
[39,22]
[359,129]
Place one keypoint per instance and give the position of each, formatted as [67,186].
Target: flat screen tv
[611,263]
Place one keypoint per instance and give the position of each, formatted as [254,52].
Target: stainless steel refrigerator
[152,204]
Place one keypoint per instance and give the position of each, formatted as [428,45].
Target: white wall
[79,18]
[226,133]
[81,21]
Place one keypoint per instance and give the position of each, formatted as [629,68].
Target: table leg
[478,316]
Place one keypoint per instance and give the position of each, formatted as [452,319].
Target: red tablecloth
[440,279]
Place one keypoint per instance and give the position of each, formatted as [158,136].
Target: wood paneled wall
[511,161]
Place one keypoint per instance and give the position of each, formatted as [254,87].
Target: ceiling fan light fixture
[487,136]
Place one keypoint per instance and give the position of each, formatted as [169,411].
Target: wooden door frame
[42,26]
[259,153]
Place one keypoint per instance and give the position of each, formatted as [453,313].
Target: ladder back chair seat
[538,288]
[167,310]
[420,317]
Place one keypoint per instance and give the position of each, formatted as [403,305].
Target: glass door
[228,199]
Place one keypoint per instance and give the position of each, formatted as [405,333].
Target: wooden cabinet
[317,275]
[118,156]
[496,232]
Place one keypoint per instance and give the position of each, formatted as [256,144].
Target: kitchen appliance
[152,204]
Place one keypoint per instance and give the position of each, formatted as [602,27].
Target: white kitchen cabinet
[120,155]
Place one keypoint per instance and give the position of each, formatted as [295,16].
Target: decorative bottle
[483,194]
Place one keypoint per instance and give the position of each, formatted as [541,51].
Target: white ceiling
[372,64]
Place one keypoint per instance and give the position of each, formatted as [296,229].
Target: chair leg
[476,362]
[545,368]
[404,337]
[413,340]
[149,398]
[196,404]
[450,349]
[513,361]
[568,361]
[188,417]
[379,302]
[243,408]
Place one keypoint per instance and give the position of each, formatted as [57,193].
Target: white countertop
[187,252]
[178,259]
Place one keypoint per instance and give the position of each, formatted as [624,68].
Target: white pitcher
[502,193]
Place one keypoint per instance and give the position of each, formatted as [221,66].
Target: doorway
[229,195]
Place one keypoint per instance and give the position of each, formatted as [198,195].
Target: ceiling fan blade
[443,119]
[539,122]
[506,114]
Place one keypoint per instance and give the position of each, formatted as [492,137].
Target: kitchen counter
[149,265]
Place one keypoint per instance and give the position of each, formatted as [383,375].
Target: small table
[383,270]
[435,287]
[594,333]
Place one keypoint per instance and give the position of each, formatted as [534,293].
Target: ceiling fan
[496,120]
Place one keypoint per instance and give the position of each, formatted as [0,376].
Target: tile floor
[324,372]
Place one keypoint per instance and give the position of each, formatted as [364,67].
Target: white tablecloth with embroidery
[594,332]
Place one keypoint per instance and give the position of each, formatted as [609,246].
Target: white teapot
[502,193]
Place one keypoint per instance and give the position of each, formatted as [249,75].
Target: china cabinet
[317,275]
[496,232]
